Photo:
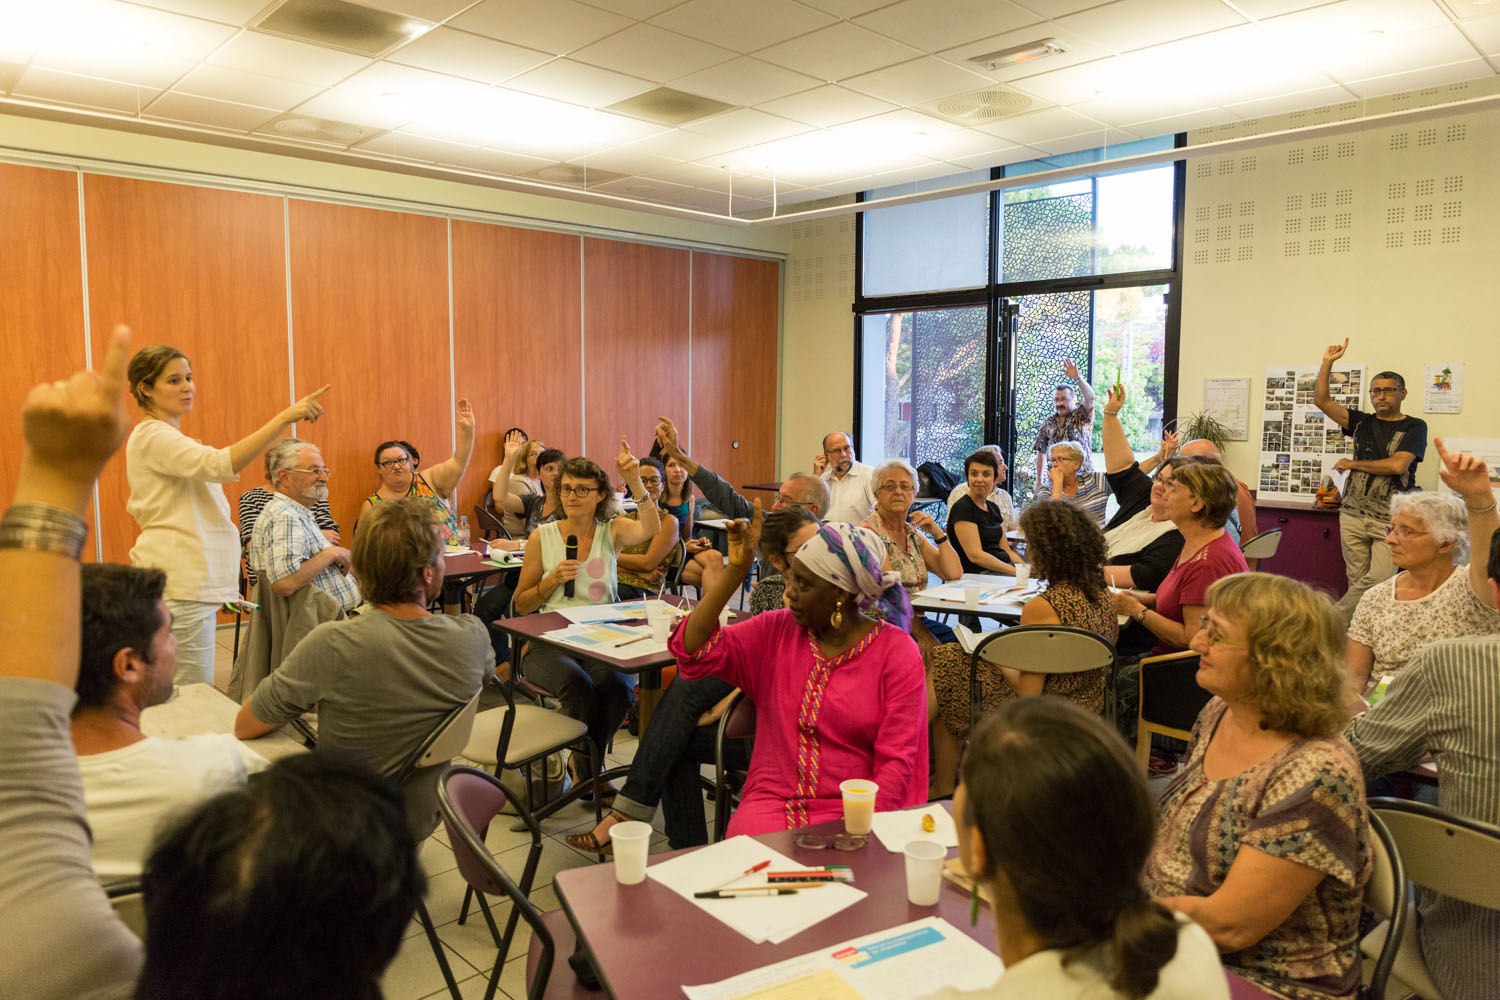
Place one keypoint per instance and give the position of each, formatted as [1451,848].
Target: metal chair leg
[437,950]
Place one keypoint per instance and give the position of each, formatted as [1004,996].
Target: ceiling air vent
[666,106]
[340,25]
[574,175]
[979,106]
[320,130]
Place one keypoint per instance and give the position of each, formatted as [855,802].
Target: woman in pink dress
[835,677]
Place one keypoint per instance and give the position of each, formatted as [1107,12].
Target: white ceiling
[829,96]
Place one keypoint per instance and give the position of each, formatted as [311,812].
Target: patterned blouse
[419,488]
[1396,630]
[1304,803]
[905,555]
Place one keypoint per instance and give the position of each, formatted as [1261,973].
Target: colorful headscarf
[850,557]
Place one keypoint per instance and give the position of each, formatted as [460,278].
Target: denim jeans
[666,765]
[594,694]
[493,605]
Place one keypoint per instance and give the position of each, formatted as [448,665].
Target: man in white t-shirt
[851,483]
[131,781]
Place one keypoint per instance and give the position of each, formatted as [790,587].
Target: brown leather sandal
[590,843]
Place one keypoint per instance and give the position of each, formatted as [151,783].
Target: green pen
[973,904]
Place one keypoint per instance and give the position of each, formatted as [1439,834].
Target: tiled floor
[471,953]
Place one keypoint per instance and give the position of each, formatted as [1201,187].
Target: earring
[836,620]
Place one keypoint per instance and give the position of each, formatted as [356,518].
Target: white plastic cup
[971,596]
[660,618]
[724,616]
[859,804]
[1023,574]
[631,840]
[924,871]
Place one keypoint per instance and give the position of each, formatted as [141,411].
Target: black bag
[935,481]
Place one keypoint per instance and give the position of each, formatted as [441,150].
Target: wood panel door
[41,295]
[635,350]
[736,311]
[516,340]
[205,271]
[370,317]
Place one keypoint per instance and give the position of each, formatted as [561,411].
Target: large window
[956,349]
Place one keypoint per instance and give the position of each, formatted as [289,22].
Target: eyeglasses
[1215,639]
[1384,392]
[837,841]
[1402,531]
[1160,483]
[651,480]
[898,487]
[576,491]
[391,463]
[317,470]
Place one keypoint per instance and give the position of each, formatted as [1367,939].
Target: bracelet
[1479,510]
[37,527]
[1142,616]
[940,541]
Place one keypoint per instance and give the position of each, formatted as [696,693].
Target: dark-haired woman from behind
[1055,821]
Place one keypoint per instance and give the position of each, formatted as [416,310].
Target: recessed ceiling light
[1018,54]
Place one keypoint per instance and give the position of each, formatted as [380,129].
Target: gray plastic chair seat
[538,731]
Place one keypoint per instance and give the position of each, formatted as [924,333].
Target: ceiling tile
[524,123]
[825,106]
[556,26]
[1224,66]
[66,88]
[846,8]
[636,10]
[1076,49]
[1484,32]
[117,41]
[1355,47]
[1056,8]
[497,161]
[1203,118]
[1131,24]
[237,12]
[225,84]
[931,25]
[679,144]
[645,50]
[920,80]
[1279,103]
[1072,84]
[413,147]
[1433,76]
[447,50]
[745,127]
[254,52]
[578,83]
[695,175]
[1002,153]
[427,10]
[746,81]
[386,95]
[1259,9]
[214,114]
[1040,126]
[642,189]
[1088,140]
[741,26]
[625,160]
[837,52]
[1123,110]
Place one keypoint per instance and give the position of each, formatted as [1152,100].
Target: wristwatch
[940,541]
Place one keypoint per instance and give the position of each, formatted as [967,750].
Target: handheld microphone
[571,552]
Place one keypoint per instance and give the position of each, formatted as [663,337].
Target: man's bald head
[1201,448]
[803,490]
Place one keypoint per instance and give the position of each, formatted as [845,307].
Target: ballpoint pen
[749,891]
[735,878]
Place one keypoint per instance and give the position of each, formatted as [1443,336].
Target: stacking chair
[1385,896]
[488,524]
[469,799]
[1041,649]
[1170,700]
[129,903]
[444,743]
[1263,545]
[737,723]
[1447,854]
[674,565]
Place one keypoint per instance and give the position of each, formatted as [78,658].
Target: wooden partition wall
[576,339]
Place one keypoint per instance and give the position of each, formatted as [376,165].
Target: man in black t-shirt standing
[1388,446]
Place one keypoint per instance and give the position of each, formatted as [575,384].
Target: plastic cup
[660,618]
[1023,574]
[971,596]
[631,839]
[924,871]
[859,804]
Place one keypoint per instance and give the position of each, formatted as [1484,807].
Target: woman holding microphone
[177,497]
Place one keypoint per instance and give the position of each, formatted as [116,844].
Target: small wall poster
[1443,388]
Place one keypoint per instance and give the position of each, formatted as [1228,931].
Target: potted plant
[1201,425]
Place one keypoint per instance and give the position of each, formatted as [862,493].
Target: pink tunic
[872,722]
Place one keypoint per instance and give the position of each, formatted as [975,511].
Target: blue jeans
[493,605]
[665,768]
[594,694]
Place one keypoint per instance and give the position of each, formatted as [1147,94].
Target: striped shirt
[252,502]
[1446,702]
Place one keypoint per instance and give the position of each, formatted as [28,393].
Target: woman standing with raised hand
[177,498]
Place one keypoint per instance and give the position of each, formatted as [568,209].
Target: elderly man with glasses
[287,546]
[1388,447]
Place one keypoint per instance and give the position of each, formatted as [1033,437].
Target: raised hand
[1463,473]
[1333,352]
[514,442]
[744,536]
[628,464]
[820,463]
[1169,442]
[1115,402]
[1070,369]
[465,415]
[308,408]
[924,520]
[72,426]
[666,435]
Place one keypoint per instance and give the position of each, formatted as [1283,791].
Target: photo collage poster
[1298,444]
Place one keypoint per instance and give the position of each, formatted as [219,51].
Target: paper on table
[911,960]
[770,918]
[589,614]
[899,828]
[628,641]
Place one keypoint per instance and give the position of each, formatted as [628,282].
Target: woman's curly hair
[1066,546]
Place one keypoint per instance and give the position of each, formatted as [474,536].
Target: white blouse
[176,498]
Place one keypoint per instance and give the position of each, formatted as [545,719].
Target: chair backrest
[1046,649]
[489,525]
[1263,545]
[469,798]
[449,738]
[674,564]
[1170,695]
[1385,895]
[1449,854]
[129,904]
[737,723]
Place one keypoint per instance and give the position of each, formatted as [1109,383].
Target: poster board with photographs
[1299,445]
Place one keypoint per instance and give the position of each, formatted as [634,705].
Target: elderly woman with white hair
[910,552]
[839,688]
[1089,490]
[1435,595]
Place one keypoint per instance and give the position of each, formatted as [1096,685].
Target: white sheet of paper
[589,614]
[762,918]
[900,827]
[911,960]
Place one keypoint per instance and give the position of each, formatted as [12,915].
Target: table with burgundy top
[646,941]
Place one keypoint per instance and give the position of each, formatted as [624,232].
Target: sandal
[606,794]
[590,843]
